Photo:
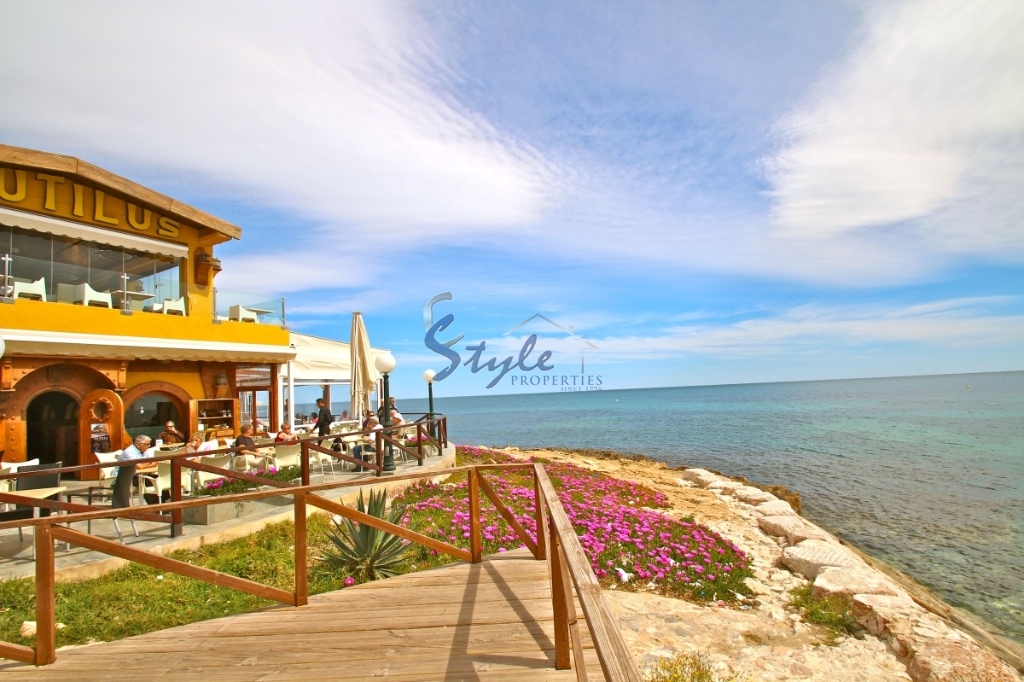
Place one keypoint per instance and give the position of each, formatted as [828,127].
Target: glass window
[31,256]
[66,263]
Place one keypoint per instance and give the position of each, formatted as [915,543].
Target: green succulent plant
[364,552]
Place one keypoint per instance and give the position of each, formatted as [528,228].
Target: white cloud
[337,112]
[951,323]
[923,122]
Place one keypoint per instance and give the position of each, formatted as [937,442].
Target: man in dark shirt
[171,435]
[323,419]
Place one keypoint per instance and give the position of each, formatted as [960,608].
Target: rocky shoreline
[908,633]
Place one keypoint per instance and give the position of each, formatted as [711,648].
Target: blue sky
[706,192]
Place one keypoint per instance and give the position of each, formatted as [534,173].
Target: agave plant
[366,552]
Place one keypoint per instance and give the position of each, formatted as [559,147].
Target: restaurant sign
[58,196]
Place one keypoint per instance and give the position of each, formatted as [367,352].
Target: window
[65,263]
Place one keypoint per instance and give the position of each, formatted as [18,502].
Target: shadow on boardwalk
[488,621]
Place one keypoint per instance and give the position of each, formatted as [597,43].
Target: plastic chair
[240,313]
[36,289]
[201,478]
[170,307]
[161,482]
[86,295]
[288,455]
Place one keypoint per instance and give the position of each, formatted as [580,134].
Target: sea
[925,473]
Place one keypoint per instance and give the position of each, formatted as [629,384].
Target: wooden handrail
[569,566]
[616,661]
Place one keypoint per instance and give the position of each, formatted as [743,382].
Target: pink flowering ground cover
[630,544]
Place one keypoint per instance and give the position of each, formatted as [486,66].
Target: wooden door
[102,411]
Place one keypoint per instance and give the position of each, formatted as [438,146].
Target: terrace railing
[568,565]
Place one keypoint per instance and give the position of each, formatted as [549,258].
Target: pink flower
[350,581]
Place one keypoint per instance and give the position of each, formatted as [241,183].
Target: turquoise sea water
[922,472]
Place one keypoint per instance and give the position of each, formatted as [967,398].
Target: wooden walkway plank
[488,621]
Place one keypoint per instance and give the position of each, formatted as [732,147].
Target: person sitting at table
[285,435]
[140,449]
[171,435]
[195,443]
[373,426]
[248,457]
[344,416]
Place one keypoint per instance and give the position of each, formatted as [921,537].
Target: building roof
[70,165]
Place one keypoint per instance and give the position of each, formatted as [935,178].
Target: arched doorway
[148,413]
[52,421]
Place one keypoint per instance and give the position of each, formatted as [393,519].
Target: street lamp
[385,364]
[428,377]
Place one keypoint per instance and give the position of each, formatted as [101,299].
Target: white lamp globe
[385,363]
[428,376]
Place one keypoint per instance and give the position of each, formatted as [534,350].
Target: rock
[752,495]
[775,508]
[780,526]
[876,612]
[956,660]
[756,586]
[800,670]
[28,629]
[797,534]
[701,477]
[810,556]
[725,486]
[851,581]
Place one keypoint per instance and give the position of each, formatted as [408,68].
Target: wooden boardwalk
[487,621]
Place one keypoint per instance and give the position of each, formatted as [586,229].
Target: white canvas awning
[105,346]
[320,361]
[66,228]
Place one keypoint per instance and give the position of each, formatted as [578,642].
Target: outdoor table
[38,494]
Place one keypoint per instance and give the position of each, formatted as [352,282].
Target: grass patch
[832,611]
[685,668]
[137,599]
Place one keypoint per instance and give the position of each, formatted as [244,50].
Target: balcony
[242,306]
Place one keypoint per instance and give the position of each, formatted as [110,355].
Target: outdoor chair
[288,455]
[240,313]
[104,490]
[36,289]
[21,512]
[160,483]
[86,295]
[7,485]
[169,307]
[201,478]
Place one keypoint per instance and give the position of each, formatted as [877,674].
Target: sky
[677,193]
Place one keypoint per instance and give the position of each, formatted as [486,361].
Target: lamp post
[428,377]
[385,364]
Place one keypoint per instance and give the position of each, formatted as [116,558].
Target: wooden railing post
[558,605]
[378,445]
[474,517]
[177,525]
[305,463]
[419,442]
[541,517]
[46,620]
[301,585]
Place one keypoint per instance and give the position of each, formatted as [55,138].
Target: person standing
[323,418]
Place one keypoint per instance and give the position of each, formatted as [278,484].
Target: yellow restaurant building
[110,324]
